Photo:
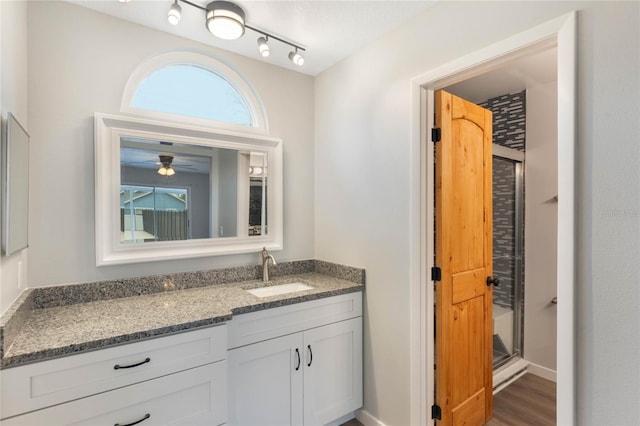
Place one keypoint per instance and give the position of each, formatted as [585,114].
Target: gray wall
[541,232]
[79,63]
[363,183]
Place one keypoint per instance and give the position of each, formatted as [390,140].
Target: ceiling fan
[166,169]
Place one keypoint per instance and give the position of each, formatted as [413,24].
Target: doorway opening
[557,34]
[522,96]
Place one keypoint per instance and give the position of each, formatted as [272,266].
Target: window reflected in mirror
[177,191]
[154,214]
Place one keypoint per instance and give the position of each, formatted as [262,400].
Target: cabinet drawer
[262,325]
[31,387]
[192,397]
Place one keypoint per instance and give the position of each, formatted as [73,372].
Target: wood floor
[530,400]
[352,422]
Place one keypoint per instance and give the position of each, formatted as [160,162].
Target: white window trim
[235,79]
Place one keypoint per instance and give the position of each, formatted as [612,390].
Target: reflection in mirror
[173,191]
[257,193]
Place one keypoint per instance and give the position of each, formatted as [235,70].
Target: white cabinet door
[332,371]
[194,397]
[265,383]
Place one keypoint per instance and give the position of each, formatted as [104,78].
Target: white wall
[363,162]
[541,233]
[13,99]
[79,63]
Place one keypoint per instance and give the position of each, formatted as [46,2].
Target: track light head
[263,46]
[225,20]
[175,13]
[296,57]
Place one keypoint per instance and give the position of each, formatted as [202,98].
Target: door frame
[561,34]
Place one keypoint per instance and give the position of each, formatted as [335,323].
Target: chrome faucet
[265,264]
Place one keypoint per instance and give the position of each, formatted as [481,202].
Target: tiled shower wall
[509,125]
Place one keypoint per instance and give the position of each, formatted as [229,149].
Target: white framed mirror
[172,190]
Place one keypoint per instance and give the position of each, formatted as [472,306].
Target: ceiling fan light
[175,13]
[162,171]
[171,171]
[263,47]
[225,20]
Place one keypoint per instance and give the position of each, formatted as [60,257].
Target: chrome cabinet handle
[146,416]
[118,366]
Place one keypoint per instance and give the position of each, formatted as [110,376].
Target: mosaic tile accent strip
[509,119]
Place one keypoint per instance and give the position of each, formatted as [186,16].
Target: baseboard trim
[508,372]
[544,372]
[367,419]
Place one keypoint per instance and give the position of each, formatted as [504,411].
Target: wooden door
[464,255]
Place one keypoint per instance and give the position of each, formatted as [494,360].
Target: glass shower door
[508,261]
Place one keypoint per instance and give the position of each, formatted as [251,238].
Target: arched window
[193,87]
[194,92]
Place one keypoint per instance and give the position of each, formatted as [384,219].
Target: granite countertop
[49,332]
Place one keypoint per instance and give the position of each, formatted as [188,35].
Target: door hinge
[436,274]
[436,412]
[436,134]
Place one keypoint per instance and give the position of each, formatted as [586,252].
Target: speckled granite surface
[76,318]
[49,297]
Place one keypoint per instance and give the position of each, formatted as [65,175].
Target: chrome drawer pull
[118,367]
[135,423]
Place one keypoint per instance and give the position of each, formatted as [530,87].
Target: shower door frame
[518,158]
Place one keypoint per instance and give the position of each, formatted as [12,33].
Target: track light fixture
[226,20]
[263,46]
[296,57]
[175,13]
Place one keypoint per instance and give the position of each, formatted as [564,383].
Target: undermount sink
[276,290]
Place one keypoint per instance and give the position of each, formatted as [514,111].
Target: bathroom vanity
[208,355]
